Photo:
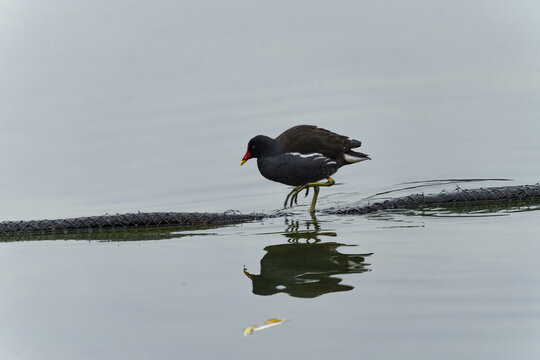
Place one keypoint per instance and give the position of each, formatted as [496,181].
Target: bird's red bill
[245,158]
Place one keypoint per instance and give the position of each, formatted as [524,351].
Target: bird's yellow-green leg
[293,195]
[314,200]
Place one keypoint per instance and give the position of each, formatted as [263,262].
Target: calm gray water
[124,107]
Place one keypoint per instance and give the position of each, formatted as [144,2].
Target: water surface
[425,286]
[132,106]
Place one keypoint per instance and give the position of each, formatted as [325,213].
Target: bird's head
[260,145]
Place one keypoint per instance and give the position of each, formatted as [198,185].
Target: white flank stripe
[308,155]
[314,156]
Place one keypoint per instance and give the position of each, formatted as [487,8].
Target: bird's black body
[303,154]
[296,168]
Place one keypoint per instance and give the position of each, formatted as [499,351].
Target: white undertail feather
[351,159]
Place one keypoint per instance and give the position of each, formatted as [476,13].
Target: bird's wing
[308,139]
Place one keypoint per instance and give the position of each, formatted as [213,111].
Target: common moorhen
[301,156]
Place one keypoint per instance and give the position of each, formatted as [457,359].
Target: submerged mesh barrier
[123,221]
[456,197]
[155,219]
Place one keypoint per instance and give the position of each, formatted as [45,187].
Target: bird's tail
[352,157]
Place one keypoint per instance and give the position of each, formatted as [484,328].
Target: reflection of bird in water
[305,270]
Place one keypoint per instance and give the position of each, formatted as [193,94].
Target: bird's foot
[293,195]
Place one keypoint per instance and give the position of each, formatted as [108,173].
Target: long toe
[292,196]
[295,196]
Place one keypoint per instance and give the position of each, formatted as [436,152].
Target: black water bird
[301,156]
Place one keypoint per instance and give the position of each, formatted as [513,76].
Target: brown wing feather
[307,139]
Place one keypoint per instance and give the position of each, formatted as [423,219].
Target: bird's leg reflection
[294,234]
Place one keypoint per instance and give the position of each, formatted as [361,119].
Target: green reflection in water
[131,234]
[497,208]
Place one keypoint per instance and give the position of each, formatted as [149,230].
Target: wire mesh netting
[157,219]
[458,196]
[122,221]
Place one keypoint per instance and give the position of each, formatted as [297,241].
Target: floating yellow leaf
[268,323]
